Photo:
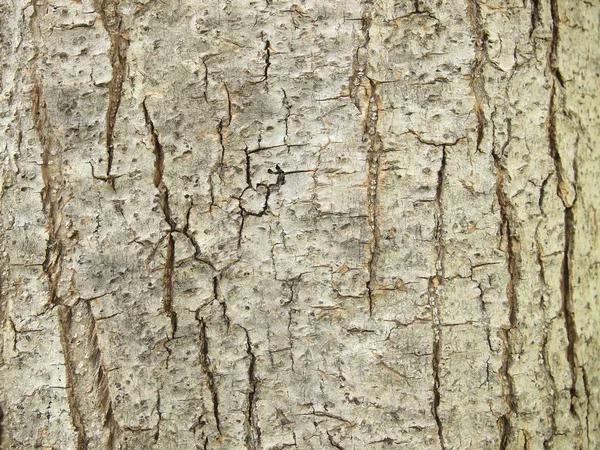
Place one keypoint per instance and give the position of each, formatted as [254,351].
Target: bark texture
[367,224]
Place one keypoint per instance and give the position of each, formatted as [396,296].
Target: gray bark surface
[354,225]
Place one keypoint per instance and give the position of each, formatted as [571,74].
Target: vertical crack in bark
[477,81]
[551,382]
[548,441]
[60,241]
[359,80]
[1,425]
[167,282]
[159,413]
[508,234]
[434,283]
[267,60]
[567,305]
[568,199]
[206,367]
[588,392]
[221,302]
[553,53]
[53,197]
[159,167]
[286,120]
[507,228]
[373,167]
[535,16]
[103,396]
[119,44]
[251,426]
[65,320]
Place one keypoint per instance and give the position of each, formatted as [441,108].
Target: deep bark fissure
[434,303]
[508,234]
[251,425]
[169,266]
[568,201]
[119,44]
[359,80]
[267,59]
[373,167]
[507,231]
[481,58]
[550,376]
[206,367]
[545,337]
[103,396]
[159,414]
[65,320]
[53,200]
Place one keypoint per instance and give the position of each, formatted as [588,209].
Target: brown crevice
[547,444]
[507,228]
[535,16]
[432,290]
[119,44]
[159,167]
[103,397]
[159,413]
[53,199]
[288,107]
[511,252]
[553,53]
[251,426]
[545,355]
[267,59]
[220,126]
[60,243]
[481,58]
[567,305]
[221,302]
[65,321]
[334,444]
[588,393]
[206,366]
[360,81]
[167,282]
[568,199]
[436,354]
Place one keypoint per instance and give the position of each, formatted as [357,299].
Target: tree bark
[268,225]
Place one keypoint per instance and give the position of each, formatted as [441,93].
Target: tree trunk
[352,225]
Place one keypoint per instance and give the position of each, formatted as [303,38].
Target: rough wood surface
[352,225]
